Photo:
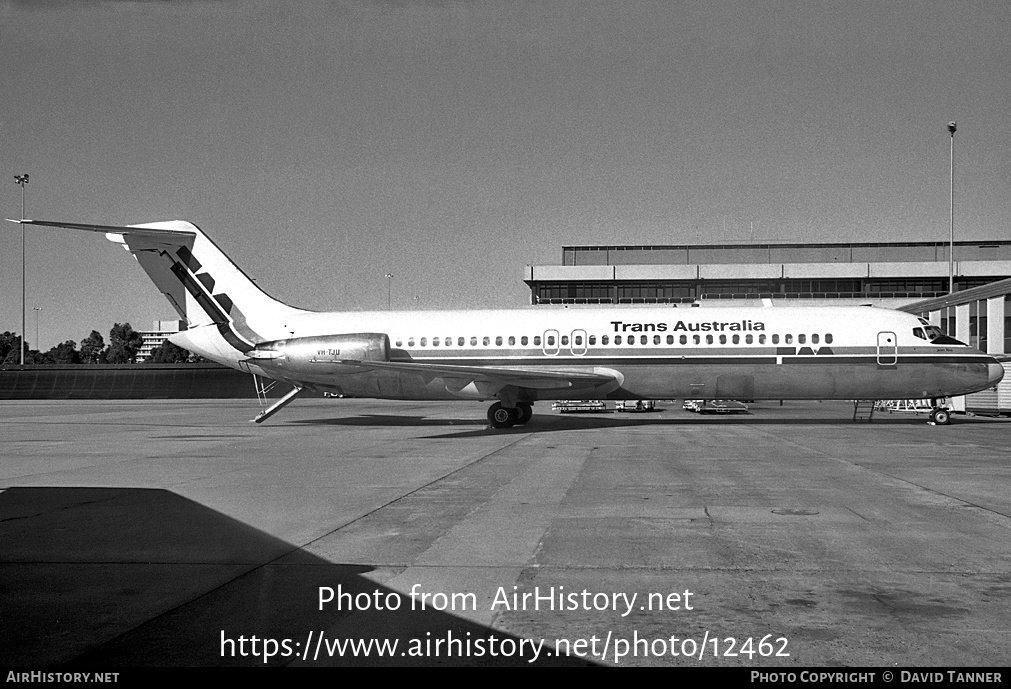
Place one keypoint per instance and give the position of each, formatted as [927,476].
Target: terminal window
[1007,323]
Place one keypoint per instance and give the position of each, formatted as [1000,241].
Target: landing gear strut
[506,417]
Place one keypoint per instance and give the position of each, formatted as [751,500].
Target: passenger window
[656,339]
[398,344]
[749,339]
[697,339]
[604,339]
[761,339]
[801,339]
[723,339]
[498,341]
[828,339]
[593,339]
[788,339]
[617,339]
[565,340]
[537,340]
[486,340]
[737,339]
[423,341]
[473,342]
[670,339]
[814,338]
[709,339]
[512,340]
[578,340]
[435,342]
[643,339]
[775,339]
[524,340]
[684,339]
[460,341]
[551,340]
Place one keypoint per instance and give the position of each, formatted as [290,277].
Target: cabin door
[888,349]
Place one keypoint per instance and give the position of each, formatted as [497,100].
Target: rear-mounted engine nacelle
[321,353]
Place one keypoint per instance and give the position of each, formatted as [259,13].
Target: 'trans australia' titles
[689,326]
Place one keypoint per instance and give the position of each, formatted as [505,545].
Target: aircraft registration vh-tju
[519,357]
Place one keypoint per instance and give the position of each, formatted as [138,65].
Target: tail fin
[203,285]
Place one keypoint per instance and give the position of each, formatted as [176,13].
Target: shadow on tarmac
[552,422]
[568,422]
[121,577]
[390,420]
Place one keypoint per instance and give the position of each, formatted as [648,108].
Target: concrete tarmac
[171,533]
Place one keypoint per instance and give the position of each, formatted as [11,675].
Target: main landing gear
[939,416]
[506,417]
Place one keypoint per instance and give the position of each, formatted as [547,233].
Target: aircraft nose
[995,372]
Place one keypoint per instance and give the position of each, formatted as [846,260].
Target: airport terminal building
[882,273]
[912,276]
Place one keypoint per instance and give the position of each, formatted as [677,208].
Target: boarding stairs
[863,410]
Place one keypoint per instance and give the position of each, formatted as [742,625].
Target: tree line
[123,347]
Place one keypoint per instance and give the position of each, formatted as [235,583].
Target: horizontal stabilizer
[171,233]
[155,229]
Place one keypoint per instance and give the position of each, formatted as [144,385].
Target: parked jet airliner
[519,357]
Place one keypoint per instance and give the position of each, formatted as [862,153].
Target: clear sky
[325,144]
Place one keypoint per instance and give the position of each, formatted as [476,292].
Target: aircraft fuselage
[651,353]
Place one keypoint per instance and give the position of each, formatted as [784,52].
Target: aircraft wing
[538,379]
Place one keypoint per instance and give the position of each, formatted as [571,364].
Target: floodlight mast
[22,181]
[951,241]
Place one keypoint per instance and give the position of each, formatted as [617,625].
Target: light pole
[38,310]
[951,244]
[22,180]
[389,289]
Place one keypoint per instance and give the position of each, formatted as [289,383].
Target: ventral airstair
[863,410]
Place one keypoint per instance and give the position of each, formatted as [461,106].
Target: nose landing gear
[939,416]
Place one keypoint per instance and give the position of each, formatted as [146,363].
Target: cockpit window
[935,336]
[918,332]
